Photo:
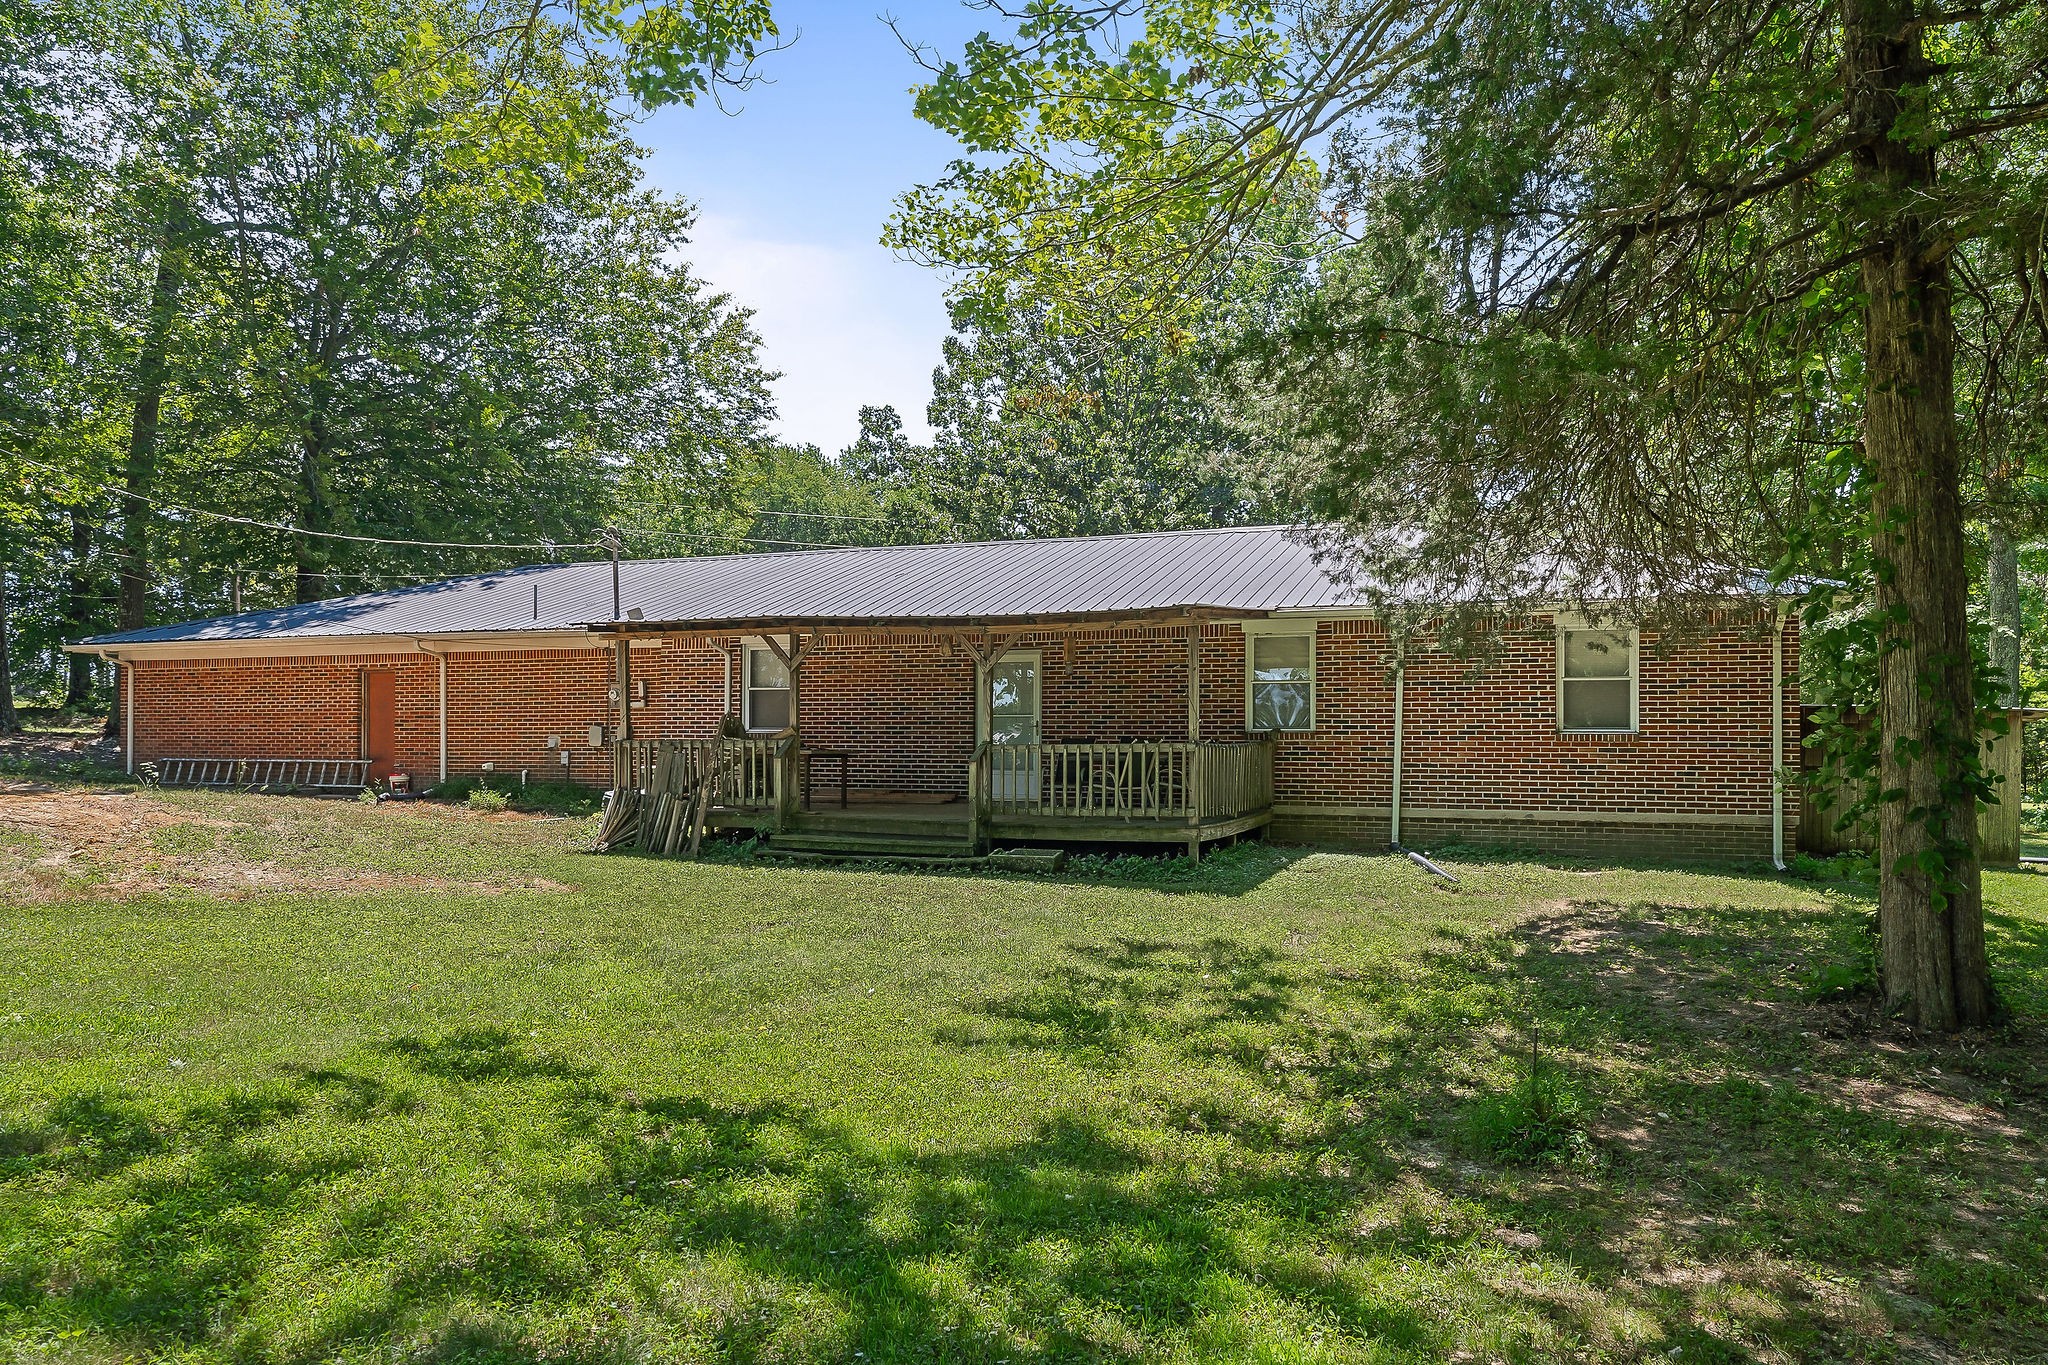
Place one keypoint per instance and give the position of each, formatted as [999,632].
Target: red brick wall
[1486,737]
[1476,740]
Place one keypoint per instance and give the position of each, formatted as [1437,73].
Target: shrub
[1541,1119]
[541,798]
[484,798]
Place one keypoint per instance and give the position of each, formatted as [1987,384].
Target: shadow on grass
[1234,871]
[1095,1006]
[479,1054]
[1289,1171]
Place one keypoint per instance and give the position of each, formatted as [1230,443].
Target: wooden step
[860,845]
[945,822]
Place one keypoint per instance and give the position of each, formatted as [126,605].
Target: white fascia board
[313,646]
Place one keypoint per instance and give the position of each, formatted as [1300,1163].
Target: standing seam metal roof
[1249,569]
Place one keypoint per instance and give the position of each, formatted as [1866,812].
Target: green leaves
[679,51]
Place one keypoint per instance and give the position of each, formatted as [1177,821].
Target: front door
[380,723]
[1013,718]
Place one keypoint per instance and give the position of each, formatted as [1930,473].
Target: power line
[325,535]
[736,536]
[814,516]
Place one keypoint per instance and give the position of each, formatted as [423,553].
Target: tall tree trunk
[1930,904]
[78,608]
[316,511]
[316,455]
[2002,598]
[10,723]
[136,512]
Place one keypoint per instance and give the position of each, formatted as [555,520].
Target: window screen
[1596,680]
[767,691]
[1283,681]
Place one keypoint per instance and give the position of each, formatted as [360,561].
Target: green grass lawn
[309,1081]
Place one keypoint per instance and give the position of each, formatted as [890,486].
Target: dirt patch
[1649,961]
[60,750]
[68,843]
[1917,1104]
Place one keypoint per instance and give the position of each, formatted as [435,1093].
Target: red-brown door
[380,723]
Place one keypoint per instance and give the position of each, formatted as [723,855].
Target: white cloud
[845,325]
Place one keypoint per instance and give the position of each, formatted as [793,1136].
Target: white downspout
[441,711]
[443,716]
[1400,686]
[127,712]
[1778,740]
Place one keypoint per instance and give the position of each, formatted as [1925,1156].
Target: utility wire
[736,536]
[809,516]
[325,535]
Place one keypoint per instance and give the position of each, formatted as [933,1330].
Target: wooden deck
[1164,792]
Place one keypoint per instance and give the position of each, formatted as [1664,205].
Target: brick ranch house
[1179,687]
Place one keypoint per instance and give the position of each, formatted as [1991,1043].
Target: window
[1596,680]
[766,694]
[1280,683]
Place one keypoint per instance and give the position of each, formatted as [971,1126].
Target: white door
[1013,720]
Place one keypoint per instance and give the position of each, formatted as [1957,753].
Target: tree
[1610,277]
[1040,433]
[1049,420]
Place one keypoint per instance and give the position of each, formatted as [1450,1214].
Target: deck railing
[744,772]
[1144,780]
[1155,781]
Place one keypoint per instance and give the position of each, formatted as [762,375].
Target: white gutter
[1778,740]
[309,646]
[1400,686]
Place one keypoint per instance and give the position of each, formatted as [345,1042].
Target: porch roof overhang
[1023,623]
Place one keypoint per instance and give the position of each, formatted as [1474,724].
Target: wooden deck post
[977,813]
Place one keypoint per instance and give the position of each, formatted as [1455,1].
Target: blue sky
[793,189]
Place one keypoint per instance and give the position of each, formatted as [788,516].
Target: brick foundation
[1584,837]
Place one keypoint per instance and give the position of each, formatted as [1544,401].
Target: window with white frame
[765,695]
[1596,680]
[1280,681]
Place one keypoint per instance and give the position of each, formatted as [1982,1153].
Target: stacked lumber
[620,824]
[672,813]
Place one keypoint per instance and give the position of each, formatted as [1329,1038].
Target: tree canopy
[381,270]
[1624,304]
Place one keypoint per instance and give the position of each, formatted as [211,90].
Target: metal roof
[1251,570]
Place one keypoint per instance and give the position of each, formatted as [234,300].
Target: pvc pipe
[1778,740]
[1427,865]
[128,715]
